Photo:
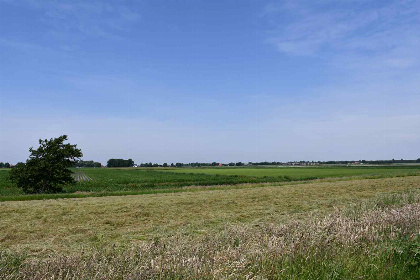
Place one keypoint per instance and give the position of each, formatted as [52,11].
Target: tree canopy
[89,163]
[120,162]
[4,165]
[47,168]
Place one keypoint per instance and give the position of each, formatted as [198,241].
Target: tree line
[4,165]
[130,163]
[391,161]
[262,163]
[113,162]
[191,164]
[88,163]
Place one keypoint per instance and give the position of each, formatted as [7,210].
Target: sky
[203,81]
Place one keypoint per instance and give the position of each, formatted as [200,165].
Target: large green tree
[47,168]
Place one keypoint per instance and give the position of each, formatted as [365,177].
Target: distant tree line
[191,164]
[277,163]
[266,163]
[4,165]
[88,163]
[178,164]
[374,161]
[130,163]
[120,163]
[337,162]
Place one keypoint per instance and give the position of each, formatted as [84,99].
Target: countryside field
[125,181]
[304,173]
[362,224]
[232,140]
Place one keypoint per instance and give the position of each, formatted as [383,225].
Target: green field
[303,173]
[125,181]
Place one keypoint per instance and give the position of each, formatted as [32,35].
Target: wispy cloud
[369,51]
[374,42]
[92,18]
[320,28]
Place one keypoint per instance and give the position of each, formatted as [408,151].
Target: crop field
[125,181]
[81,176]
[322,229]
[303,173]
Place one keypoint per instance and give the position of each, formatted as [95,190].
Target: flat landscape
[126,181]
[303,172]
[232,223]
[249,140]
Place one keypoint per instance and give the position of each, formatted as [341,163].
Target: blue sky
[187,81]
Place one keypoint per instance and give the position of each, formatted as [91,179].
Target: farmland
[305,173]
[213,223]
[317,229]
[126,181]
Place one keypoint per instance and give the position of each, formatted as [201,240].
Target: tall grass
[378,239]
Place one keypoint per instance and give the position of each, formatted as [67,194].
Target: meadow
[128,181]
[319,229]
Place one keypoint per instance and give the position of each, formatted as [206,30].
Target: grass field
[106,181]
[304,173]
[348,229]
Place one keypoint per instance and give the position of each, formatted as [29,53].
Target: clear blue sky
[168,81]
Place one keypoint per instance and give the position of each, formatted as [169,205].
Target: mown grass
[69,224]
[365,229]
[115,182]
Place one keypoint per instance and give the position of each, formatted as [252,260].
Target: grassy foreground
[381,243]
[360,229]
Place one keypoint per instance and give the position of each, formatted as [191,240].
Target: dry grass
[373,241]
[67,225]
